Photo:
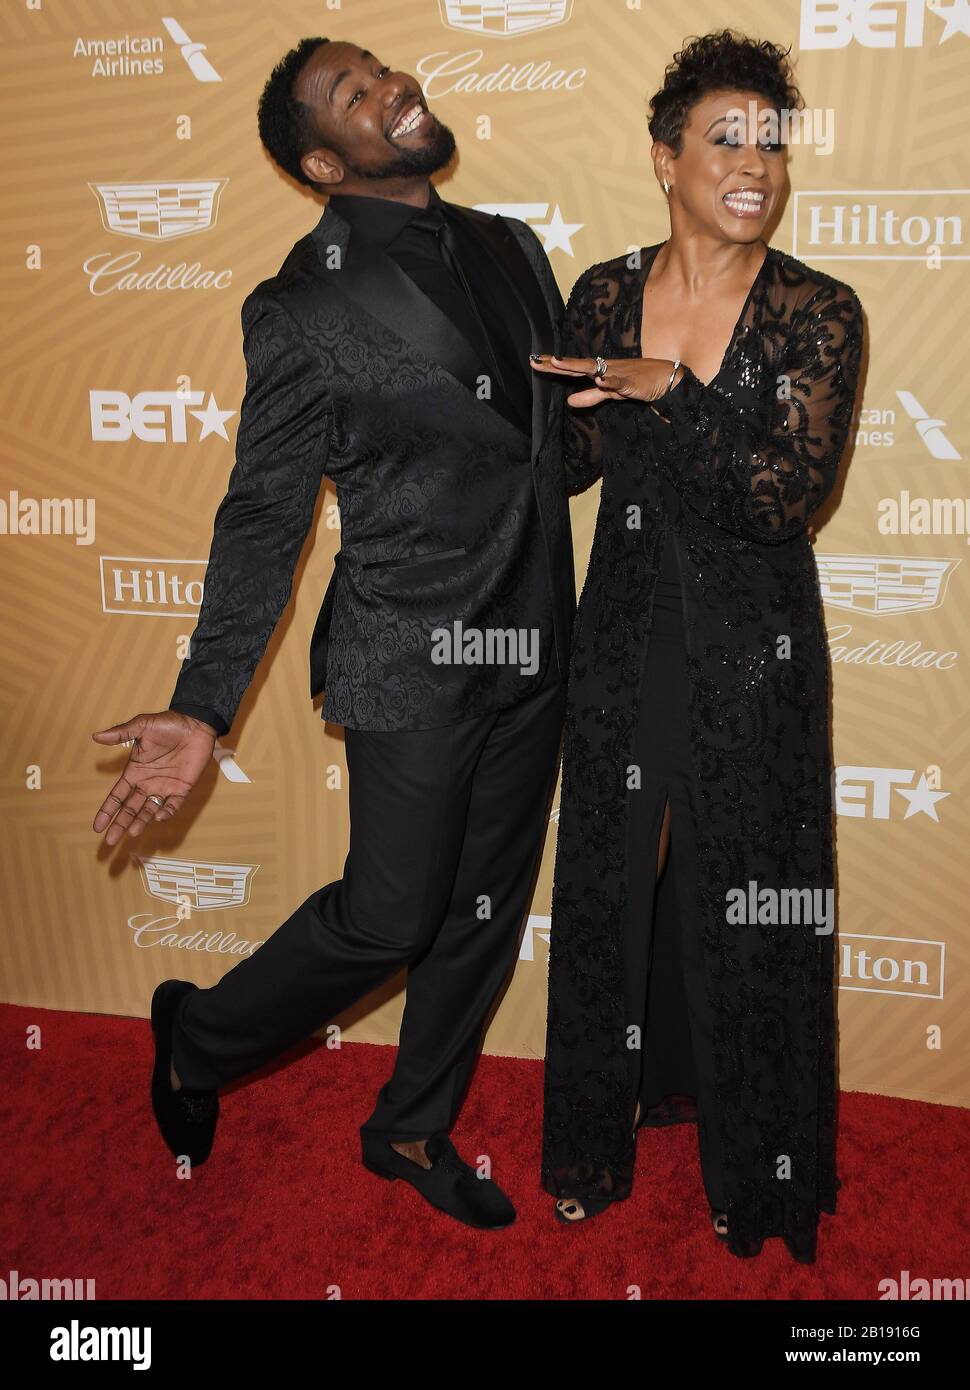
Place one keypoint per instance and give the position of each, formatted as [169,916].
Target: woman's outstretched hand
[625,378]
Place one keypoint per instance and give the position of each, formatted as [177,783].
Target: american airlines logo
[193,53]
[883,584]
[875,428]
[503,19]
[876,224]
[881,23]
[929,430]
[159,211]
[154,417]
[141,55]
[557,235]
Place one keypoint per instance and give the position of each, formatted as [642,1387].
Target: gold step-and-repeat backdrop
[138,211]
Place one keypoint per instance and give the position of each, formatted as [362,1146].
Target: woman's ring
[601,366]
[158,800]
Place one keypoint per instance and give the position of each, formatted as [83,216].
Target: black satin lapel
[371,279]
[514,264]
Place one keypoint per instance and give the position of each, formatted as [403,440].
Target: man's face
[374,123]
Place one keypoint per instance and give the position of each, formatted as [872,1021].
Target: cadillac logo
[503,19]
[203,886]
[158,211]
[880,584]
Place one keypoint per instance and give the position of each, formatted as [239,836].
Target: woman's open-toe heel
[719,1219]
[589,1206]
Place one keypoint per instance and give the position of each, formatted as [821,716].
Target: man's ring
[601,366]
[158,800]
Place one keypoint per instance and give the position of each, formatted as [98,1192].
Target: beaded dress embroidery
[731,471]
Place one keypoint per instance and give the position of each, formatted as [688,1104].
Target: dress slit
[672,1073]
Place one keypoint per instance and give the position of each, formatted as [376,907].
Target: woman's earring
[667,188]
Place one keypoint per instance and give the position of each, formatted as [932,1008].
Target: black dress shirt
[459,276]
[448,264]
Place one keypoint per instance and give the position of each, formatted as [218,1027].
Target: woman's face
[732,168]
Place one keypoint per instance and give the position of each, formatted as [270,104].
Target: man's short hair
[287,126]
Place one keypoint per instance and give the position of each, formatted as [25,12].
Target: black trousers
[446,829]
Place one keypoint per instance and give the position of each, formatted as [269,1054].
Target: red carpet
[283,1209]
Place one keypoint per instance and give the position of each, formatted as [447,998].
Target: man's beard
[405,163]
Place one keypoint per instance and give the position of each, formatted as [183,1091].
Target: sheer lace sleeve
[762,474]
[583,441]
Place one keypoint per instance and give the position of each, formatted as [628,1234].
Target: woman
[697,748]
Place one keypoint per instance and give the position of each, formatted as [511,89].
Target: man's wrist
[203,715]
[206,723]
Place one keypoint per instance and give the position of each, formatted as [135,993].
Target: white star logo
[557,235]
[921,798]
[957,17]
[213,419]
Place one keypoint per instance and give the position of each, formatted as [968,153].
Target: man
[390,353]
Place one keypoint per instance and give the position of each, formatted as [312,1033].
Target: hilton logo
[901,224]
[151,588]
[503,19]
[891,965]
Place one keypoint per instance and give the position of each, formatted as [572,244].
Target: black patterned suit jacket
[452,518]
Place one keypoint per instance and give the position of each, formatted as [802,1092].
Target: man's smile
[414,117]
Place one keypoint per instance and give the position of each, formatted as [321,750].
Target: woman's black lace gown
[699,674]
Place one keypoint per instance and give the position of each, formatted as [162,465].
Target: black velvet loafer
[449,1184]
[186,1117]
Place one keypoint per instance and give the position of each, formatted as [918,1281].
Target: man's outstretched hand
[170,754]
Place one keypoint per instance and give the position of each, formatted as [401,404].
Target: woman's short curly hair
[288,127]
[725,61]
